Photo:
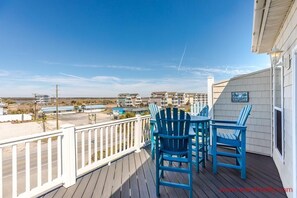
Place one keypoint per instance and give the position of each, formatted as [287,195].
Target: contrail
[182,58]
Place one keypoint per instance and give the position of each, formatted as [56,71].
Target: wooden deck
[134,176]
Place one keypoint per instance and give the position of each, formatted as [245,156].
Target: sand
[9,130]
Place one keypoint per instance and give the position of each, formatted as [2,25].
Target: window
[278,108]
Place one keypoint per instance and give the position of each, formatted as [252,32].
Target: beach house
[275,33]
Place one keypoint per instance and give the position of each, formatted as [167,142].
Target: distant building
[42,99]
[176,99]
[129,100]
[197,97]
[159,98]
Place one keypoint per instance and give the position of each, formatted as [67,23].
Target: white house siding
[286,41]
[259,122]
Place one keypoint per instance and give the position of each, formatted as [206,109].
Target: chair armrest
[235,127]
[224,121]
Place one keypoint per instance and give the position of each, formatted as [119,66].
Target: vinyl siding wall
[286,41]
[259,122]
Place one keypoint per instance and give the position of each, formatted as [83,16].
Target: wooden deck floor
[134,176]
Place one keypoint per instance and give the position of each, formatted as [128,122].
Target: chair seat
[229,136]
[228,139]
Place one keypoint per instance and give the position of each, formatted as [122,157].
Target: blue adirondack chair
[173,144]
[197,108]
[154,109]
[236,140]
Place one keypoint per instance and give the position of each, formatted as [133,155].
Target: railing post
[137,134]
[68,155]
[210,82]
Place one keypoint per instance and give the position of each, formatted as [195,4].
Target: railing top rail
[29,138]
[113,122]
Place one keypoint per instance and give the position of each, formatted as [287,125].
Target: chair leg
[208,142]
[162,164]
[237,159]
[203,145]
[152,142]
[243,154]
[214,151]
[197,152]
[157,174]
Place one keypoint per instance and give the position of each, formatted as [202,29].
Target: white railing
[24,160]
[99,144]
[32,165]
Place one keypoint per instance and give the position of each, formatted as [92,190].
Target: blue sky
[102,48]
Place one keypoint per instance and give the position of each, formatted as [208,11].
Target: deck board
[134,176]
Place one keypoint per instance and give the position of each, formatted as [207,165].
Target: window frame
[281,109]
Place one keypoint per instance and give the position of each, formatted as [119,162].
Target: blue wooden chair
[173,144]
[154,109]
[196,108]
[236,140]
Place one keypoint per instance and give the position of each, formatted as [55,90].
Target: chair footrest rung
[175,159]
[229,166]
[234,155]
[174,169]
[175,185]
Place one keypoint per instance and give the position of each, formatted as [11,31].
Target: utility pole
[35,103]
[57,108]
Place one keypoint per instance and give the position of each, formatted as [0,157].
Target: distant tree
[83,107]
[76,108]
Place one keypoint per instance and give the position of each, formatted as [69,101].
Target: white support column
[137,134]
[294,117]
[68,155]
[210,82]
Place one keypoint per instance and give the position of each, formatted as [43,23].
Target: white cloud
[95,86]
[220,70]
[3,73]
[123,67]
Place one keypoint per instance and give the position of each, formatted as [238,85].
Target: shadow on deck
[134,176]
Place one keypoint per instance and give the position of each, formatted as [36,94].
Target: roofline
[261,9]
[243,75]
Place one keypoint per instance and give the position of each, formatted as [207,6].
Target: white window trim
[281,109]
[294,117]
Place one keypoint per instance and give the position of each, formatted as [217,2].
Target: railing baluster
[125,126]
[89,146]
[59,164]
[128,134]
[76,148]
[106,141]
[39,163]
[101,143]
[1,174]
[28,180]
[111,139]
[14,171]
[121,138]
[116,138]
[82,149]
[95,145]
[49,160]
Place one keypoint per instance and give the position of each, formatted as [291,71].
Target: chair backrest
[197,108]
[173,130]
[154,109]
[242,118]
[204,111]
